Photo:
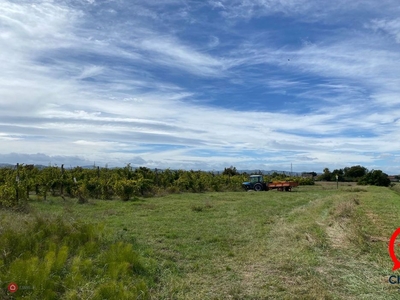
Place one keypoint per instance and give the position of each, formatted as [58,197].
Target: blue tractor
[256,183]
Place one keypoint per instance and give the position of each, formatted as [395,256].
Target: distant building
[393,178]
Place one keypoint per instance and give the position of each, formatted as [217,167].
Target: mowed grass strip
[316,242]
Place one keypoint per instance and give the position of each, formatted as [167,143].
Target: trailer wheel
[258,187]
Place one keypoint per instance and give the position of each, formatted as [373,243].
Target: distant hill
[3,165]
[264,172]
[6,165]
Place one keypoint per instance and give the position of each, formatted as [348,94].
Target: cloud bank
[176,84]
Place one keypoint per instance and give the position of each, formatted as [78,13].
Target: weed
[197,208]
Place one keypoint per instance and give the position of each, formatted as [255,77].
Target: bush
[305,181]
[7,196]
[126,188]
[375,177]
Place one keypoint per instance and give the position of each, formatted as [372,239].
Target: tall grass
[53,258]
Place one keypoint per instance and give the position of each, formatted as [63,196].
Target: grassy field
[317,242]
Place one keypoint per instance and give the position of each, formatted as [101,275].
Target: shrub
[375,177]
[126,188]
[7,196]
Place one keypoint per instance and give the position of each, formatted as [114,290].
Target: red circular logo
[12,287]
[392,242]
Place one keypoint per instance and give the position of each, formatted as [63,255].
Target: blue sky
[257,84]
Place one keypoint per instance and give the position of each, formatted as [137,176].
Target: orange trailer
[257,183]
[282,185]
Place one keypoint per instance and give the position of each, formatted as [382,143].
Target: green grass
[317,242]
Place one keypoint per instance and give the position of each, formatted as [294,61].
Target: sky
[184,84]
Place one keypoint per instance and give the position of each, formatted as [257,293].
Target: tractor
[257,183]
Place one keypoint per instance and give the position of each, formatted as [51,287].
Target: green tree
[339,173]
[375,177]
[231,171]
[355,172]
[326,175]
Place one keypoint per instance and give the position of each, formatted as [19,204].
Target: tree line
[358,174]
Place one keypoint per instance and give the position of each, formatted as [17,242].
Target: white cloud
[216,4]
[172,53]
[71,91]
[391,27]
[324,11]
[90,71]
[214,42]
[8,137]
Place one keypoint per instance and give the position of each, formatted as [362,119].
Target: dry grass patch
[374,218]
[344,210]
[338,236]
